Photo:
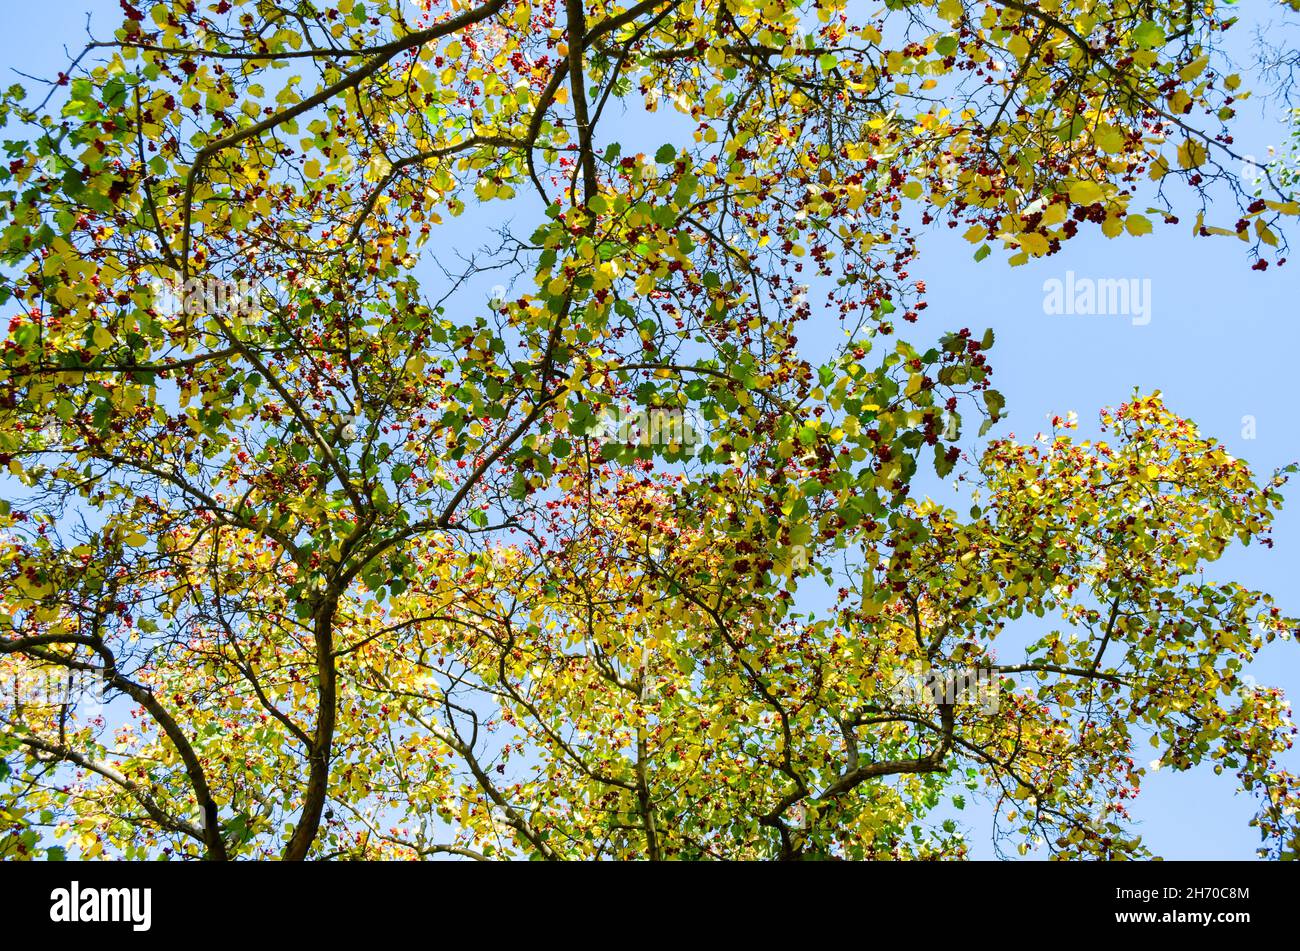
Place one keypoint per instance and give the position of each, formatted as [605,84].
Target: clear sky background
[1222,344]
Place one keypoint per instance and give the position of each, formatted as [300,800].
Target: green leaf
[995,402]
[942,465]
[1149,35]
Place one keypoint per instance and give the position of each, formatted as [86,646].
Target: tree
[1279,64]
[373,562]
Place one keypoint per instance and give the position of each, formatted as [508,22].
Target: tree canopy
[371,561]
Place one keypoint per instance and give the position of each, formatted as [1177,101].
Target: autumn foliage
[364,566]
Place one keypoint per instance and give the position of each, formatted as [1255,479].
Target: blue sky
[1222,344]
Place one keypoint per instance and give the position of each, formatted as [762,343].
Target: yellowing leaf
[1194,69]
[1035,243]
[1109,139]
[1085,193]
[1191,154]
[1137,225]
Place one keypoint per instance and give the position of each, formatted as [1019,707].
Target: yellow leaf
[1055,213]
[1085,193]
[1191,154]
[1109,139]
[1137,224]
[1195,68]
[1180,103]
[1035,243]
